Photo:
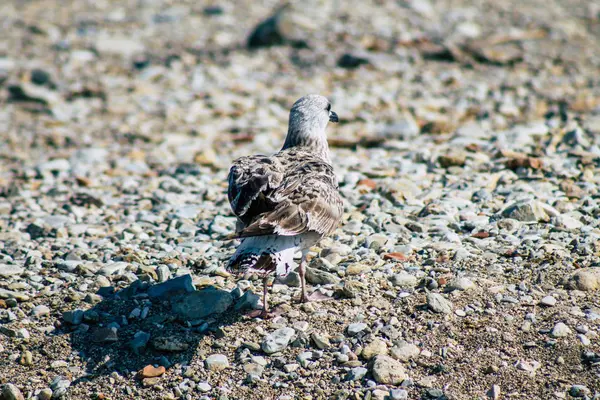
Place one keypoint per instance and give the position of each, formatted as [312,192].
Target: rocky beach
[468,155]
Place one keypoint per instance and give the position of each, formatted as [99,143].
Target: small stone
[376,347]
[405,351]
[105,335]
[579,391]
[45,394]
[6,270]
[494,392]
[319,277]
[438,303]
[548,301]
[10,392]
[150,371]
[356,374]
[216,362]
[528,366]
[40,310]
[200,304]
[460,284]
[169,343]
[357,269]
[560,330]
[530,211]
[356,328]
[404,280]
[399,394]
[248,301]
[278,340]
[321,341]
[585,279]
[387,371]
[139,341]
[204,387]
[181,284]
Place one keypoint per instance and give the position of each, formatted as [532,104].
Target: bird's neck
[313,142]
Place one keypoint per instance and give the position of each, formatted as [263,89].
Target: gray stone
[404,280]
[181,284]
[460,284]
[139,341]
[204,387]
[356,374]
[560,330]
[320,277]
[398,394]
[216,362]
[548,301]
[74,317]
[40,310]
[356,328]
[579,391]
[248,301]
[10,392]
[438,303]
[530,211]
[200,304]
[7,270]
[105,335]
[404,351]
[387,371]
[278,340]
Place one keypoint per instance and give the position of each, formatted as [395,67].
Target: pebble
[356,328]
[438,303]
[404,351]
[560,330]
[150,371]
[387,371]
[548,301]
[374,348]
[356,374]
[216,362]
[278,340]
[10,392]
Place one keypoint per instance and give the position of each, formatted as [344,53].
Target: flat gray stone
[438,303]
[202,303]
[278,340]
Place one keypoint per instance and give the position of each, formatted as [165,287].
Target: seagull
[287,202]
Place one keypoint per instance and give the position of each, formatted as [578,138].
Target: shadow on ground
[144,324]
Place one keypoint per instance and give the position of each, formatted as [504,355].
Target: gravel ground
[468,153]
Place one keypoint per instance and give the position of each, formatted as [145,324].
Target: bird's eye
[329,107]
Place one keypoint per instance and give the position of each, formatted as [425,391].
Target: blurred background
[186,76]
[468,147]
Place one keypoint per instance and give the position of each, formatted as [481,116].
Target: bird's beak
[333,117]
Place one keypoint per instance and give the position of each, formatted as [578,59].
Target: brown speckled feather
[294,193]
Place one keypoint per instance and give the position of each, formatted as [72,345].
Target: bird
[285,203]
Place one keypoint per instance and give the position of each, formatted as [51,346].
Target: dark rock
[200,304]
[350,61]
[249,301]
[172,286]
[74,317]
[105,335]
[267,33]
[139,341]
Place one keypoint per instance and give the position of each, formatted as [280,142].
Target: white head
[308,119]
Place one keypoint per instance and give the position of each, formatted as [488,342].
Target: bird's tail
[264,254]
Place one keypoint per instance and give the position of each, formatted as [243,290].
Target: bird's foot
[314,296]
[265,314]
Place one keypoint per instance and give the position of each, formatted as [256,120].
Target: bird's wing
[306,201]
[250,180]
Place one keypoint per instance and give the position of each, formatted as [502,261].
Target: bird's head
[308,119]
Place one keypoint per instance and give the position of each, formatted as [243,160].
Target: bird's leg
[302,273]
[265,310]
